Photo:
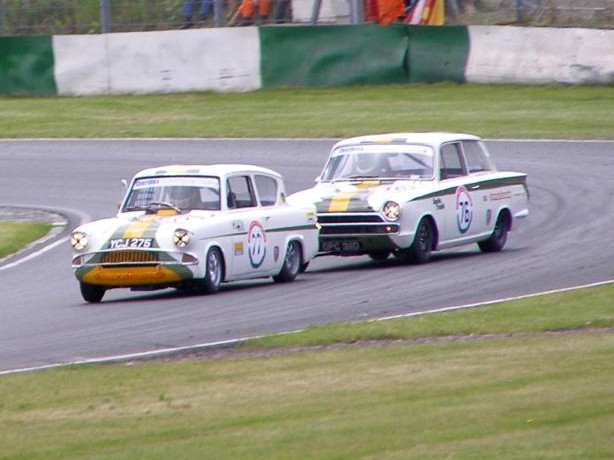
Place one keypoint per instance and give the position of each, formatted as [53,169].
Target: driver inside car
[185,197]
[369,164]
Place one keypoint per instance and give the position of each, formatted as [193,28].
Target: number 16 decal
[464,209]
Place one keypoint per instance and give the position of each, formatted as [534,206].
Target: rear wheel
[498,237]
[91,292]
[420,250]
[292,263]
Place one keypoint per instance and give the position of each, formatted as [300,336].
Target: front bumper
[358,233]
[128,268]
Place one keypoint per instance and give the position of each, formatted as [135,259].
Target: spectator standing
[282,11]
[204,8]
[389,11]
[251,12]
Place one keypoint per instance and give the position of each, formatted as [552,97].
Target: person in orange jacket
[252,12]
[389,11]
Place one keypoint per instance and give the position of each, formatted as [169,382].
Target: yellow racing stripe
[138,229]
[341,202]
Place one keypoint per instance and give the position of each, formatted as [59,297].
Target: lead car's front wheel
[292,263]
[91,293]
[420,250]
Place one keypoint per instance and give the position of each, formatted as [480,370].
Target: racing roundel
[464,209]
[256,244]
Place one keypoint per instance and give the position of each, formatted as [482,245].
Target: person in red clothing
[252,12]
[389,11]
[385,11]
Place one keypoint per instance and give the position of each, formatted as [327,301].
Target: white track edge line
[231,342]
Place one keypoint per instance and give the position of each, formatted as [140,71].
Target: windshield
[380,161]
[184,193]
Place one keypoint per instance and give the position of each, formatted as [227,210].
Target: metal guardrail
[53,17]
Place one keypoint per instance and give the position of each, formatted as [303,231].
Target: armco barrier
[26,66]
[437,53]
[333,55]
[249,58]
[525,55]
[224,59]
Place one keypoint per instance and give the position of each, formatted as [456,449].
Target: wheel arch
[509,218]
[300,239]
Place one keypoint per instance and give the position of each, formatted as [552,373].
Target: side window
[451,164]
[477,157]
[267,190]
[240,192]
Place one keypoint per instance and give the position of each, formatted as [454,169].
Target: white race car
[193,227]
[408,194]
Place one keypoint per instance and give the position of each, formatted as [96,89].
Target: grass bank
[16,235]
[497,386]
[492,111]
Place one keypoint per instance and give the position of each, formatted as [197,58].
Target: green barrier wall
[332,55]
[26,66]
[437,53]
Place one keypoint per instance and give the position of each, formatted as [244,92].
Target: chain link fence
[55,17]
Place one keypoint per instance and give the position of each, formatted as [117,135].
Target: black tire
[498,237]
[293,261]
[420,250]
[91,292]
[214,272]
[379,255]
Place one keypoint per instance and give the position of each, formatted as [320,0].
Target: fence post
[218,13]
[519,11]
[105,16]
[315,12]
[1,15]
[357,11]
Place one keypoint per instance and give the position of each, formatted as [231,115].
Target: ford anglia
[193,227]
[408,194]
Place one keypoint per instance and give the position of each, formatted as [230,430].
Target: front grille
[348,218]
[355,224]
[129,257]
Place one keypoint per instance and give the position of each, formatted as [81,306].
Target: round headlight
[392,210]
[78,241]
[181,238]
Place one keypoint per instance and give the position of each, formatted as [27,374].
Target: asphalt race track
[566,241]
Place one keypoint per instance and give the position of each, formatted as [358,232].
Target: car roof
[204,170]
[428,138]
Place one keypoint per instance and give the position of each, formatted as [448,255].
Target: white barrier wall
[524,55]
[224,59]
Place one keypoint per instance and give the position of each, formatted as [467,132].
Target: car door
[252,247]
[277,218]
[479,169]
[459,195]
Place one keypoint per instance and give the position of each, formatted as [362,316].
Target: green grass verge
[530,395]
[492,111]
[575,310]
[16,235]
